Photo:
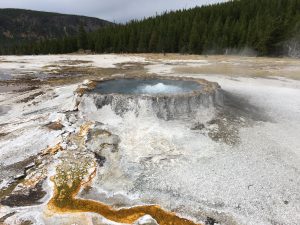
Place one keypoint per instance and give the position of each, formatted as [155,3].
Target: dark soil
[27,198]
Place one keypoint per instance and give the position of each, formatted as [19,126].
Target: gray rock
[146,220]
[198,126]
[99,140]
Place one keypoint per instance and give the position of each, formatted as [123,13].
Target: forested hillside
[268,27]
[18,25]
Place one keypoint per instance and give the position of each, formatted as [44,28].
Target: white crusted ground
[255,182]
[39,62]
[165,162]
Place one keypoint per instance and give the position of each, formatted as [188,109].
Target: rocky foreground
[65,162]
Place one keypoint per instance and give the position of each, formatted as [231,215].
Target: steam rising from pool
[159,88]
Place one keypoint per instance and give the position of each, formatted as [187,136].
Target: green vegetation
[265,26]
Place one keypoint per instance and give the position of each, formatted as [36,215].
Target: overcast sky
[112,10]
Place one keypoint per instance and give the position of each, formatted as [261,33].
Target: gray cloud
[112,10]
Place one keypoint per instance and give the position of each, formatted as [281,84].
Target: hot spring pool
[166,97]
[146,86]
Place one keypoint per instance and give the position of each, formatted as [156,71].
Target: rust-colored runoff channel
[64,200]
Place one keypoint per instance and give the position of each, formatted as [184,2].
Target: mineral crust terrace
[73,174]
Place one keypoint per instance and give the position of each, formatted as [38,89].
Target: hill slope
[22,25]
[262,27]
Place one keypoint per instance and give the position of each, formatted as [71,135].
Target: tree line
[265,26]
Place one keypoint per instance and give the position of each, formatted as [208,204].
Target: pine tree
[82,38]
[132,44]
[195,45]
[153,41]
